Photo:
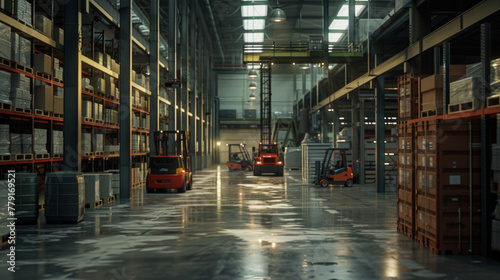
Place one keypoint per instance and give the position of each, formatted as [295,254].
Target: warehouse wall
[247,136]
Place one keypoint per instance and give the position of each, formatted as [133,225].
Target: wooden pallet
[22,68]
[42,113]
[42,156]
[21,110]
[57,80]
[41,207]
[43,75]
[110,153]
[59,116]
[431,113]
[20,157]
[5,157]
[57,155]
[5,62]
[91,91]
[463,107]
[99,121]
[88,154]
[96,204]
[98,153]
[493,101]
[99,93]
[5,106]
[109,199]
[89,120]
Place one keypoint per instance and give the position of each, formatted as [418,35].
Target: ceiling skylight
[257,37]
[253,48]
[334,37]
[344,11]
[254,24]
[254,10]
[339,24]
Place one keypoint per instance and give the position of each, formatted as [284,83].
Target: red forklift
[267,160]
[170,171]
[334,169]
[239,159]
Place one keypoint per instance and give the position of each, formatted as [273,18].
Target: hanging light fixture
[252,85]
[252,74]
[277,15]
[252,96]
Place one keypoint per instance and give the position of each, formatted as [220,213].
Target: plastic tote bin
[64,197]
[26,198]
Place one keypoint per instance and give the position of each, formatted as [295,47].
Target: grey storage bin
[92,189]
[26,198]
[64,197]
[105,185]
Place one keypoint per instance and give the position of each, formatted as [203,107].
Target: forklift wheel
[249,168]
[150,190]
[349,183]
[324,183]
[183,188]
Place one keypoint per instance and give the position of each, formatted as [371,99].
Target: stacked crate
[447,205]
[408,91]
[406,179]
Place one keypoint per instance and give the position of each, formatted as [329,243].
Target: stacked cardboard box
[57,142]
[110,86]
[40,143]
[21,144]
[44,25]
[22,11]
[4,139]
[20,50]
[431,89]
[98,111]
[140,79]
[20,93]
[59,35]
[44,98]
[86,109]
[98,84]
[58,70]
[42,63]
[86,143]
[5,41]
[111,116]
[5,85]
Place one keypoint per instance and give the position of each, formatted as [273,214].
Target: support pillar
[73,87]
[352,22]
[354,126]
[446,76]
[336,123]
[380,134]
[125,97]
[193,85]
[362,151]
[154,78]
[184,66]
[172,62]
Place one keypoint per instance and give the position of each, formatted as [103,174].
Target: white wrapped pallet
[57,142]
[4,139]
[465,90]
[4,230]
[92,188]
[115,184]
[5,87]
[86,143]
[40,143]
[98,142]
[86,109]
[5,41]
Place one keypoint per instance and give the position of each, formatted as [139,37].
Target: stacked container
[26,198]
[64,197]
[406,179]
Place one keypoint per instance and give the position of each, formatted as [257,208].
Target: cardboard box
[59,35]
[110,86]
[44,99]
[455,70]
[107,61]
[432,99]
[58,105]
[43,24]
[98,57]
[435,82]
[98,84]
[42,63]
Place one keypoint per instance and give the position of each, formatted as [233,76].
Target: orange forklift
[238,157]
[170,171]
[267,160]
[334,169]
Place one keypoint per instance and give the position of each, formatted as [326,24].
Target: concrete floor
[237,226]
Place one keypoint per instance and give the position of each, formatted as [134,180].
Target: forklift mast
[265,100]
[180,142]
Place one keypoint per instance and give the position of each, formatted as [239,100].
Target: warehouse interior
[249,139]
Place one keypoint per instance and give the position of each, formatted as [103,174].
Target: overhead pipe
[216,34]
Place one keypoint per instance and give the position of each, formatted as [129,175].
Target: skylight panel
[344,11]
[254,24]
[339,24]
[334,37]
[254,10]
[257,37]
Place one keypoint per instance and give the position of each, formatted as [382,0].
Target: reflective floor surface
[237,226]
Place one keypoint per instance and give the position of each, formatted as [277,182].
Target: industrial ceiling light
[304,67]
[277,15]
[252,74]
[252,96]
[252,85]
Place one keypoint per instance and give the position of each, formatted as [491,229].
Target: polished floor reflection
[237,226]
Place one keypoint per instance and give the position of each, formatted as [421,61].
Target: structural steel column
[125,97]
[446,76]
[336,123]
[193,85]
[154,79]
[352,22]
[485,142]
[324,124]
[355,123]
[362,151]
[72,85]
[437,60]
[380,134]
[172,62]
[326,25]
[184,66]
